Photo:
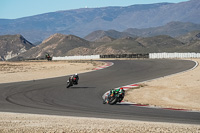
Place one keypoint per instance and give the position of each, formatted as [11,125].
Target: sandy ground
[179,91]
[172,91]
[30,123]
[32,70]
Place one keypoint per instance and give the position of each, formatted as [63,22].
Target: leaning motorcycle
[116,97]
[72,81]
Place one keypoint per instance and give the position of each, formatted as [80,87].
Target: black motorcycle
[72,81]
[116,97]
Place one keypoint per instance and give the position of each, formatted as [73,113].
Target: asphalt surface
[50,96]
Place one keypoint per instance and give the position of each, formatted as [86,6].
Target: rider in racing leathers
[112,92]
[77,77]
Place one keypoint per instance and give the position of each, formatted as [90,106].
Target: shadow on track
[81,88]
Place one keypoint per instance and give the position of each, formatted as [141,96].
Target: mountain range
[81,22]
[70,45]
[173,29]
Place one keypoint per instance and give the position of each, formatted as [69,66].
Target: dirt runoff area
[33,70]
[179,91]
[158,92]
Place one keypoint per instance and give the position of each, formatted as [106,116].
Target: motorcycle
[48,57]
[72,81]
[116,97]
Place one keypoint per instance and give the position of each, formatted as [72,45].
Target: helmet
[76,74]
[121,88]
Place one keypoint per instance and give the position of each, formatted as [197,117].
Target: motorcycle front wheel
[68,85]
[113,100]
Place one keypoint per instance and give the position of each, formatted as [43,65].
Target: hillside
[161,43]
[190,37]
[129,45]
[55,45]
[126,45]
[97,35]
[105,39]
[172,29]
[13,45]
[81,22]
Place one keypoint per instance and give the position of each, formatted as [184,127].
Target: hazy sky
[11,9]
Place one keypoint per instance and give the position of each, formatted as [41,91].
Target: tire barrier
[173,55]
[125,56]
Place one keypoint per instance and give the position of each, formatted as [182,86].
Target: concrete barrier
[83,57]
[173,55]
[150,55]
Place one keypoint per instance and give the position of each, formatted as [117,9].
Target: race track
[50,96]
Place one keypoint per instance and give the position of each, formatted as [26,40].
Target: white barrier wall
[173,55]
[86,57]
[151,56]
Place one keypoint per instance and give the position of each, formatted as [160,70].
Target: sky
[12,9]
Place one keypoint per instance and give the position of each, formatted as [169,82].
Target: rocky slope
[190,37]
[172,29]
[99,34]
[55,45]
[13,45]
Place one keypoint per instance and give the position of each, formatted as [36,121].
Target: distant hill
[70,45]
[172,29]
[192,47]
[161,43]
[129,45]
[190,37]
[55,45]
[96,35]
[81,22]
[105,39]
[13,45]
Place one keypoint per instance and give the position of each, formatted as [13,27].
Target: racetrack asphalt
[51,97]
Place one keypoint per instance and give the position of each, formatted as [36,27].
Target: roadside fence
[173,55]
[150,55]
[125,56]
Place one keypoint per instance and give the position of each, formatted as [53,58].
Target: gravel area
[29,123]
[179,91]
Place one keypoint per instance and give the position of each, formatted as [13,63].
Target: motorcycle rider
[112,92]
[122,91]
[73,80]
[76,77]
[47,55]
